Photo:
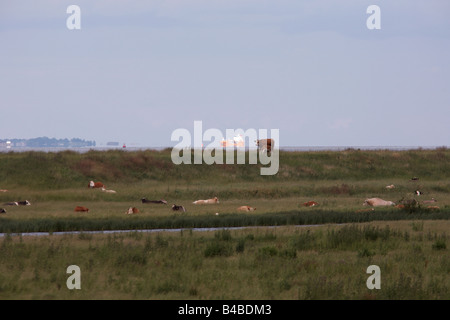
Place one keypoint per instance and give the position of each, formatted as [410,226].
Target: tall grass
[53,224]
[283,263]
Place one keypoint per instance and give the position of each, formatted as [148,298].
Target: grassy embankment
[340,181]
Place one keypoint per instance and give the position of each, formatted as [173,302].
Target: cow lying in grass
[377,202]
[178,208]
[94,185]
[132,210]
[246,208]
[108,190]
[144,200]
[81,209]
[18,203]
[310,204]
[213,200]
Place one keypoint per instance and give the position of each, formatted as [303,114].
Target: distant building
[112,144]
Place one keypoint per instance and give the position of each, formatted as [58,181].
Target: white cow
[108,190]
[214,200]
[377,202]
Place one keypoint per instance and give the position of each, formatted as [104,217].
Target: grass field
[328,262]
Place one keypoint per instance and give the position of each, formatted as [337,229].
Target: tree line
[47,142]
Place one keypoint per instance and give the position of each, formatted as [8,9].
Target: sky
[138,70]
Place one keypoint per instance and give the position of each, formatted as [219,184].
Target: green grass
[61,170]
[327,262]
[340,181]
[86,223]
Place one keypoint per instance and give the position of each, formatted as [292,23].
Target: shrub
[240,246]
[439,245]
[224,235]
[350,235]
[267,251]
[365,253]
[409,205]
[217,248]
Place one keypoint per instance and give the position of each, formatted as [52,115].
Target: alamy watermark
[373,22]
[374,281]
[73,22]
[260,147]
[74,281]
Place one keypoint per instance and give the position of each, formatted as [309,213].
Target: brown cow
[93,184]
[265,144]
[310,204]
[132,210]
[81,209]
[246,208]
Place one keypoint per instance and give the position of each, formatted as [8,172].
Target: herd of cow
[15,203]
[372,202]
[133,210]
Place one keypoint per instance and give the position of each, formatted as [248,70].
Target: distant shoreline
[285,148]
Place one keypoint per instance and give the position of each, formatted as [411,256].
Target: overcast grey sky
[138,70]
